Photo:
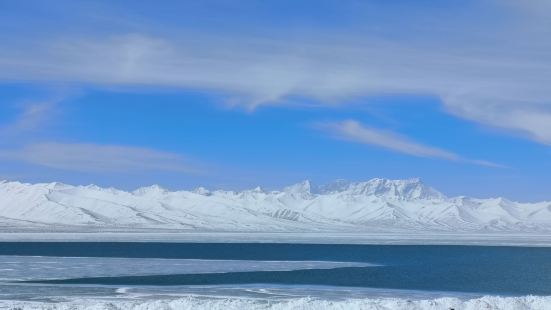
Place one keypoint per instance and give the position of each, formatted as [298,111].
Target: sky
[235,94]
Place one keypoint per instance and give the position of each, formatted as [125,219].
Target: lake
[61,271]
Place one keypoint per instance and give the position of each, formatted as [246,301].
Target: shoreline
[196,302]
[391,238]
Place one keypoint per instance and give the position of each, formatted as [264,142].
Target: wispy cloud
[469,63]
[33,116]
[98,158]
[18,141]
[353,131]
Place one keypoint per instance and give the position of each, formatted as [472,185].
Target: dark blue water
[469,269]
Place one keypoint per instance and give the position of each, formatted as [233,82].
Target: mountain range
[377,205]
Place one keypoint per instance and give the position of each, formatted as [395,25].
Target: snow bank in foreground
[195,303]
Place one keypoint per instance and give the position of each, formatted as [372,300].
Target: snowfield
[377,206]
[197,303]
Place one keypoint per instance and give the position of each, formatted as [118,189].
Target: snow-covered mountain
[377,205]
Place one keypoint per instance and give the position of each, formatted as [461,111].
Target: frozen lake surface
[153,275]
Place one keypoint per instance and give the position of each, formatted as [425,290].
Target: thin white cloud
[33,116]
[353,131]
[97,158]
[471,63]
[16,140]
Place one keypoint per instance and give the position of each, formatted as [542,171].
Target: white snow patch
[197,303]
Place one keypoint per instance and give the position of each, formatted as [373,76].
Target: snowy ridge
[377,205]
[197,303]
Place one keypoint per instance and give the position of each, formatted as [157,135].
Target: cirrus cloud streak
[97,158]
[353,131]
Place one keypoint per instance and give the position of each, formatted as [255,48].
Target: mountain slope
[377,205]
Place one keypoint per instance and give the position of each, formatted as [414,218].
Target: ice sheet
[37,267]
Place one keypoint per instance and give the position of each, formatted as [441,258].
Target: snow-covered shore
[198,303]
[482,239]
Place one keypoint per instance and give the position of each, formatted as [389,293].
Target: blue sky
[234,94]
